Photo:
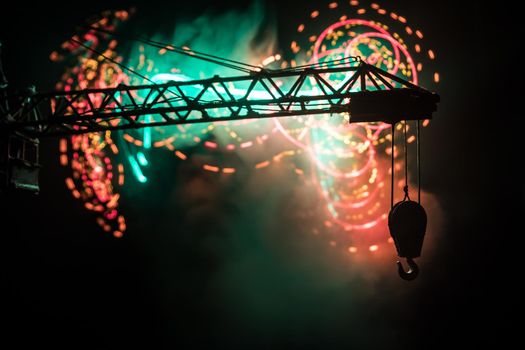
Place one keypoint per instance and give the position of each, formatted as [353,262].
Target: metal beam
[267,94]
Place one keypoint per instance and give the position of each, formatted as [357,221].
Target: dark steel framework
[366,92]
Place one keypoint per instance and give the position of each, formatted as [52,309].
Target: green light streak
[147,136]
[136,169]
[142,159]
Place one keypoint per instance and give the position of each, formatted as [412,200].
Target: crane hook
[412,272]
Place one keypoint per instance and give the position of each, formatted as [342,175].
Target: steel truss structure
[366,92]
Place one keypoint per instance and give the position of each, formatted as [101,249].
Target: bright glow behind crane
[345,163]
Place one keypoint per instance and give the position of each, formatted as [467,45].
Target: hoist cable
[418,160]
[392,169]
[405,189]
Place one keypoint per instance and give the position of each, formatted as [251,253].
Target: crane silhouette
[365,92]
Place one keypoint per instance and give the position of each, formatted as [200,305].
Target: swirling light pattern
[91,157]
[349,160]
[346,163]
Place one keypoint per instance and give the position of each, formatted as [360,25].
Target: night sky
[174,284]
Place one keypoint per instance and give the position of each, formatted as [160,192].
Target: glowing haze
[339,171]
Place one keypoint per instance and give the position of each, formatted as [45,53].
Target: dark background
[66,284]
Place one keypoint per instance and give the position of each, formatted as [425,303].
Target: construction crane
[365,92]
[93,110]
